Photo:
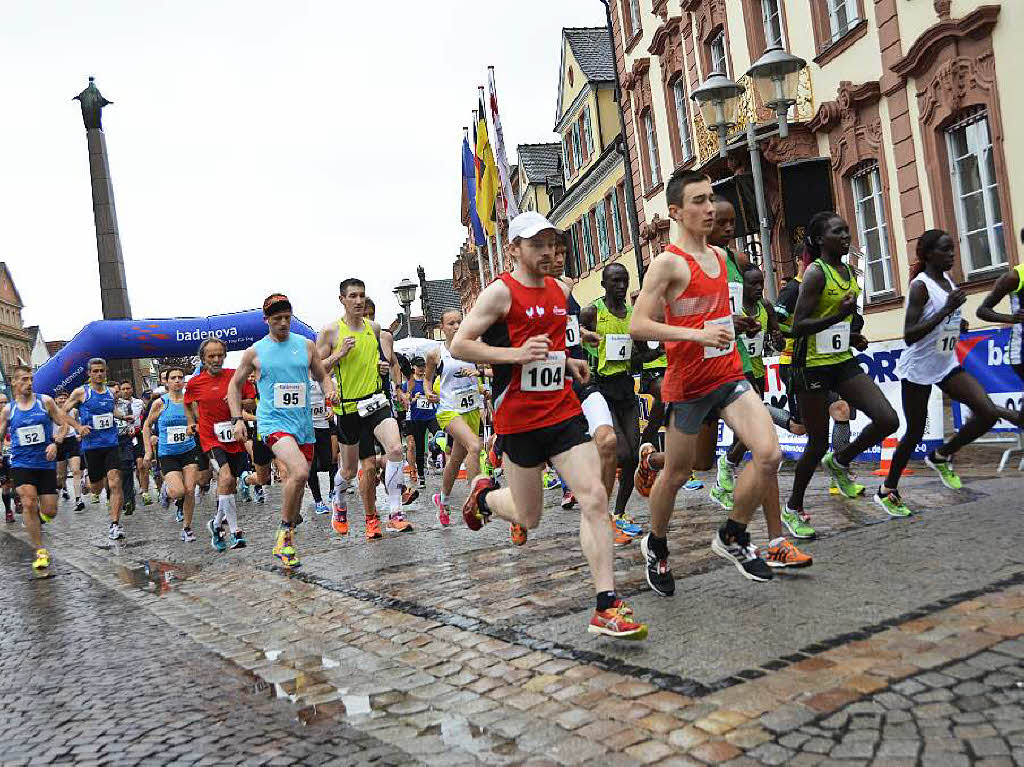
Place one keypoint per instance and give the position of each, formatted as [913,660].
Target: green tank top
[735,277]
[621,344]
[356,374]
[1019,268]
[832,345]
[755,346]
[657,364]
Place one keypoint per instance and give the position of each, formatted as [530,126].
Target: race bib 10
[572,330]
[947,339]
[224,431]
[735,298]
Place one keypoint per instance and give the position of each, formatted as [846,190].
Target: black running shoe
[742,554]
[659,576]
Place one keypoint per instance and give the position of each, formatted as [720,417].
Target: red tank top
[528,397]
[694,370]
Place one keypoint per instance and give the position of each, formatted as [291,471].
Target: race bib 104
[546,375]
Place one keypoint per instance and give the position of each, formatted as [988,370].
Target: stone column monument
[113,283]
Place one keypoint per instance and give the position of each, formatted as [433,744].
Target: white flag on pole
[498,141]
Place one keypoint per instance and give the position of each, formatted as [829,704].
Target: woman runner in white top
[932,327]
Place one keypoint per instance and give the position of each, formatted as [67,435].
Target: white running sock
[219,516]
[340,487]
[392,484]
[226,506]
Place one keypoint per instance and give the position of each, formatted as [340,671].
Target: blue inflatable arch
[130,339]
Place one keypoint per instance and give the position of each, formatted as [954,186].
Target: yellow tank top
[356,374]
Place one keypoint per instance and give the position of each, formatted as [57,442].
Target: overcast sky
[256,146]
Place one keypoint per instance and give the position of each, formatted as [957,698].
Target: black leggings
[418,431]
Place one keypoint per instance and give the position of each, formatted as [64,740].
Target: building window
[651,139]
[601,220]
[771,16]
[572,268]
[566,160]
[872,232]
[842,17]
[682,121]
[979,218]
[716,48]
[634,17]
[588,243]
[577,146]
[588,134]
[616,219]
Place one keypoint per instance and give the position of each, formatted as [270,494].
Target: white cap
[528,224]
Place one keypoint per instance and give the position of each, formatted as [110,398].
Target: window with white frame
[872,231]
[979,217]
[588,133]
[682,120]
[566,164]
[577,148]
[719,62]
[634,17]
[652,148]
[842,16]
[616,220]
[601,220]
[588,242]
[771,17]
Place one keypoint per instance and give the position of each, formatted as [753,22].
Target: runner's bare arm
[491,306]
[810,292]
[318,371]
[4,420]
[326,340]
[1003,287]
[431,369]
[58,416]
[147,426]
[76,397]
[246,366]
[387,347]
[914,329]
[664,276]
[588,322]
[191,416]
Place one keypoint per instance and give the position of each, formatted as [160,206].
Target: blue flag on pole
[469,185]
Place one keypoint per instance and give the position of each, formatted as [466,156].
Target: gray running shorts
[687,416]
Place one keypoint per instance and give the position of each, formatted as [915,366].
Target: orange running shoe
[373,532]
[786,555]
[643,478]
[339,520]
[409,495]
[518,534]
[473,516]
[397,523]
[617,621]
[619,538]
[493,457]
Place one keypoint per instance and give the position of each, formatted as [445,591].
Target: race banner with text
[985,354]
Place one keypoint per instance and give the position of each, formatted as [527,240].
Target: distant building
[15,340]
[52,347]
[436,297]
[39,353]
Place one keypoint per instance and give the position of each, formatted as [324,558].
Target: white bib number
[572,330]
[371,405]
[177,435]
[289,395]
[755,345]
[103,421]
[735,298]
[319,411]
[545,375]
[422,403]
[947,340]
[617,347]
[833,340]
[710,352]
[224,431]
[467,399]
[31,435]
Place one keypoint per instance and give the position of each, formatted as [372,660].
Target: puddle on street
[155,575]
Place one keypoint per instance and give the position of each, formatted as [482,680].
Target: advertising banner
[985,354]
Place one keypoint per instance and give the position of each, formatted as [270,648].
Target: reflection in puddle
[155,575]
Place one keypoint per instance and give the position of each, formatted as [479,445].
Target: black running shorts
[532,448]
[101,461]
[169,463]
[44,480]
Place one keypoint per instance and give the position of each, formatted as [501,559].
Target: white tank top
[459,390]
[933,357]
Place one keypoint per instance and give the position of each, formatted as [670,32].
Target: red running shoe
[471,513]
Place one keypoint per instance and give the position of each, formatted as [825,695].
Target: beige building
[900,119]
[15,340]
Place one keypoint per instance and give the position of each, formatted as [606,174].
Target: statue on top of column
[92,102]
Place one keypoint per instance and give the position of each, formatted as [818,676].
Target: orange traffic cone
[888,448]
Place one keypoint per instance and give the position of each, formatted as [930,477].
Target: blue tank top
[173,438]
[31,431]
[284,388]
[417,411]
[97,412]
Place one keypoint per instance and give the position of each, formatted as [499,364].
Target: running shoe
[147,499]
[722,497]
[64,495]
[187,536]
[659,575]
[892,503]
[693,483]
[493,457]
[619,538]
[44,518]
[373,532]
[42,560]
[409,495]
[798,522]
[9,517]
[79,505]
[284,548]
[833,490]
[617,622]
[129,508]
[627,524]
[422,484]
[321,507]
[246,493]
[726,478]
[472,514]
[115,531]
[785,554]
[95,498]
[397,523]
[216,536]
[840,475]
[179,515]
[742,554]
[165,500]
[644,476]
[517,533]
[568,500]
[944,468]
[260,494]
[442,511]
[551,480]
[237,540]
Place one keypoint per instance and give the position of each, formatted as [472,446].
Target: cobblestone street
[442,646]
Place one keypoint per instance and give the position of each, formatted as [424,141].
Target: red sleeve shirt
[210,395]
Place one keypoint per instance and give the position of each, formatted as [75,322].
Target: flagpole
[490,257]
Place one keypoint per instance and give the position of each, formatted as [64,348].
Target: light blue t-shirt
[284,388]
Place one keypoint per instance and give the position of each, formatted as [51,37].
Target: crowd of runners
[534,389]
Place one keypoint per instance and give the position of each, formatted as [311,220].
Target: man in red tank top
[684,302]
[518,326]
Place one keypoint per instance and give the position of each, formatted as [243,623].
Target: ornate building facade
[15,340]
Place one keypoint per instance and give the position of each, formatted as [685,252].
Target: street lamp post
[405,292]
[775,76]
